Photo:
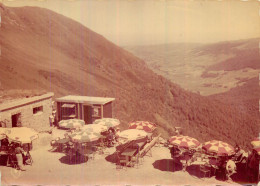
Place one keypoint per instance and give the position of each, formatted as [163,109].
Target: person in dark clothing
[4,144]
[19,152]
[222,168]
[110,138]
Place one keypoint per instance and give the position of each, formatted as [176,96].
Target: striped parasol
[71,123]
[256,142]
[22,134]
[219,148]
[143,125]
[84,136]
[184,141]
[3,132]
[257,149]
[109,122]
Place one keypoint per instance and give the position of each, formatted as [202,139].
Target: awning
[66,105]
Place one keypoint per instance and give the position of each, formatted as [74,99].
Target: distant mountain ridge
[47,51]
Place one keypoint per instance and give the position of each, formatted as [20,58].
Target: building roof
[24,101]
[85,99]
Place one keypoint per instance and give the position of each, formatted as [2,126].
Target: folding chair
[135,161]
[121,161]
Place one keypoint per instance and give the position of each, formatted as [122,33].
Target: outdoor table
[87,152]
[129,152]
[141,145]
[199,163]
[62,142]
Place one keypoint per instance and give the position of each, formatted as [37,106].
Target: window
[96,111]
[68,111]
[37,110]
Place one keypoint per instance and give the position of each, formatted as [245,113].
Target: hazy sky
[136,22]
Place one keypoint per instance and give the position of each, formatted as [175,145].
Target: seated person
[4,144]
[175,151]
[110,138]
[117,134]
[19,152]
[239,153]
[230,168]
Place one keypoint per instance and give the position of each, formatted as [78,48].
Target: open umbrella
[219,148]
[142,125]
[71,123]
[256,142]
[83,137]
[257,149]
[109,122]
[22,134]
[3,133]
[184,141]
[94,128]
[132,134]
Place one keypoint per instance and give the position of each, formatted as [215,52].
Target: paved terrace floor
[54,168]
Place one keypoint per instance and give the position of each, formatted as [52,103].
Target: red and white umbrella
[257,150]
[184,141]
[219,148]
[256,142]
[142,125]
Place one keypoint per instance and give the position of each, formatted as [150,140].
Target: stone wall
[38,121]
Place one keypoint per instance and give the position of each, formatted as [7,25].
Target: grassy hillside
[42,50]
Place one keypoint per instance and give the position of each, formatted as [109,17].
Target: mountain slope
[44,50]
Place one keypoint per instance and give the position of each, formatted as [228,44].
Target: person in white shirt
[230,168]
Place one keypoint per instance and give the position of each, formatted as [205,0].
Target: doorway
[16,120]
[87,111]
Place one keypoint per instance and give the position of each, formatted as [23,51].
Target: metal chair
[12,161]
[121,161]
[135,161]
[205,169]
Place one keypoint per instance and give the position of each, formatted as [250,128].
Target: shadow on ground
[112,158]
[3,160]
[167,165]
[194,170]
[74,160]
[242,176]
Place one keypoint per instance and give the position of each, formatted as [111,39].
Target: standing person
[19,152]
[51,118]
[117,134]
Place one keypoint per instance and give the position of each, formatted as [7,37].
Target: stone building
[33,112]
